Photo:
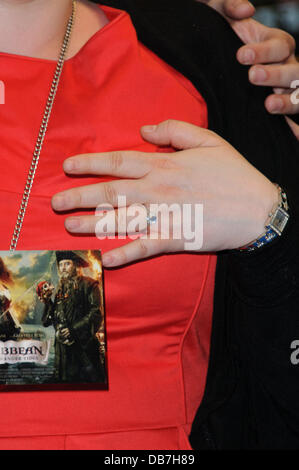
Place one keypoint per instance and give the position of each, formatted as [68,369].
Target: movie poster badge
[52,320]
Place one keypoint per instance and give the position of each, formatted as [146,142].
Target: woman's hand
[271,54]
[205,170]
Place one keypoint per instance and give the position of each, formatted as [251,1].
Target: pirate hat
[77,260]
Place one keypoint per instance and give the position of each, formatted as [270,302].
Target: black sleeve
[251,396]
[91,321]
[295,118]
[199,42]
[47,317]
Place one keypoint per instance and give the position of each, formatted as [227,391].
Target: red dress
[158,311]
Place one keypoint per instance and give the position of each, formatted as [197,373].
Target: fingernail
[72,223]
[107,260]
[275,106]
[149,128]
[240,5]
[69,164]
[58,202]
[257,75]
[247,56]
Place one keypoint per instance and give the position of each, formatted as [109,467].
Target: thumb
[238,9]
[180,135]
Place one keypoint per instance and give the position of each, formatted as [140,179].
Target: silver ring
[150,218]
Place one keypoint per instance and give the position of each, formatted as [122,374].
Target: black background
[279,13]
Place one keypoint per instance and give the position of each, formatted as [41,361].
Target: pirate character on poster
[76,314]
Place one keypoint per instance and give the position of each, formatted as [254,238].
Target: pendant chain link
[43,130]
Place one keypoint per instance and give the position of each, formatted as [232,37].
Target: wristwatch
[274,226]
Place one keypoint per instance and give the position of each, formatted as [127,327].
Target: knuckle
[275,33]
[169,124]
[120,219]
[287,48]
[123,255]
[88,225]
[116,160]
[164,163]
[78,198]
[286,44]
[277,75]
[290,40]
[110,193]
[286,103]
[143,249]
[165,189]
[90,164]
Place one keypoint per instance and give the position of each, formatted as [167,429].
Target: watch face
[279,220]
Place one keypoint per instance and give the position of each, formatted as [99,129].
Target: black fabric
[295,118]
[251,399]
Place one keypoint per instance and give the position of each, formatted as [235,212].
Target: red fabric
[158,311]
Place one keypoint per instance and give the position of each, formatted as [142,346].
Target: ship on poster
[52,321]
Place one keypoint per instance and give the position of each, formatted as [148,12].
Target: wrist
[274,224]
[268,198]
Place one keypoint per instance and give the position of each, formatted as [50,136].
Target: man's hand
[234,9]
[205,170]
[65,333]
[269,51]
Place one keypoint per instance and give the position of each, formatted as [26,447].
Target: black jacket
[251,399]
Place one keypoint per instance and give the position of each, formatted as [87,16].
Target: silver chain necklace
[43,130]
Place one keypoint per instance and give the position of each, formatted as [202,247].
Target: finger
[180,135]
[268,51]
[279,91]
[92,195]
[114,222]
[134,251]
[280,76]
[281,104]
[120,164]
[238,9]
[81,224]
